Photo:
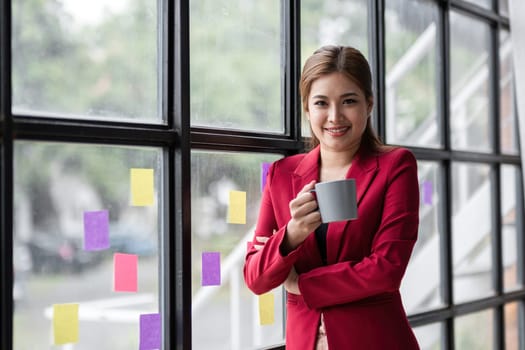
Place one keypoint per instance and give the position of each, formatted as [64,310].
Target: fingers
[307,188]
[262,239]
[305,217]
[305,195]
[303,204]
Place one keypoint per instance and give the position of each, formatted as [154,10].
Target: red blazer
[358,290]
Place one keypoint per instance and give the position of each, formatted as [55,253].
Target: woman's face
[338,111]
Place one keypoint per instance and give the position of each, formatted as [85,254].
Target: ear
[370,105]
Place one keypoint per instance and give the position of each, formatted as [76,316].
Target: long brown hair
[350,62]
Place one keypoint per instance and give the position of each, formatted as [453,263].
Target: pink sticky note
[125,272]
[264,173]
[211,269]
[150,332]
[96,230]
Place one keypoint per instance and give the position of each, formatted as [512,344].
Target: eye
[320,103]
[349,101]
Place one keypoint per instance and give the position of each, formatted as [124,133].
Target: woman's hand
[291,283]
[262,240]
[305,218]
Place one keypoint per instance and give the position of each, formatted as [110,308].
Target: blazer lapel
[364,169]
[306,171]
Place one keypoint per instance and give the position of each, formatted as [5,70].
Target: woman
[342,279]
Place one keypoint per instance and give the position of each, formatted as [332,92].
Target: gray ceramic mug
[336,200]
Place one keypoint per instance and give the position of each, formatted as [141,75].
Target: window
[469,88]
[225,314]
[66,196]
[191,100]
[235,68]
[86,61]
[411,73]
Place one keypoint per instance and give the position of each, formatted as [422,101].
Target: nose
[334,113]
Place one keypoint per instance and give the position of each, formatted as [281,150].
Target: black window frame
[178,138]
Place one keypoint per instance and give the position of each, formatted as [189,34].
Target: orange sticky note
[266,307]
[65,323]
[237,207]
[141,187]
[125,272]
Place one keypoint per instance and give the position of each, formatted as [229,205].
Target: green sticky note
[141,187]
[237,207]
[65,323]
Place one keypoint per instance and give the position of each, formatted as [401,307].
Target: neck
[335,165]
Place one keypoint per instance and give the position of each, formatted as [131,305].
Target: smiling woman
[342,278]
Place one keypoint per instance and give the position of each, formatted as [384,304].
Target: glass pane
[225,311]
[420,288]
[236,64]
[333,22]
[474,331]
[471,231]
[80,237]
[86,59]
[510,178]
[469,104]
[508,124]
[411,86]
[504,7]
[429,336]
[512,326]
[482,3]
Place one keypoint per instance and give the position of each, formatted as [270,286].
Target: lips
[337,131]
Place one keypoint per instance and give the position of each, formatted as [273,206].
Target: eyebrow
[348,94]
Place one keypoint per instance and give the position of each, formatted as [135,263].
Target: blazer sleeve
[267,268]
[392,245]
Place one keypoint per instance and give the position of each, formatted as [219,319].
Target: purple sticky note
[96,230]
[150,332]
[264,173]
[428,190]
[211,269]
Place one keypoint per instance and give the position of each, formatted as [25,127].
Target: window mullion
[179,327]
[6,181]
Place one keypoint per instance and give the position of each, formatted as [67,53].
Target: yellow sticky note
[141,187]
[266,307]
[237,207]
[65,323]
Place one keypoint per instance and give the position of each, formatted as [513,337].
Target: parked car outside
[58,254]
